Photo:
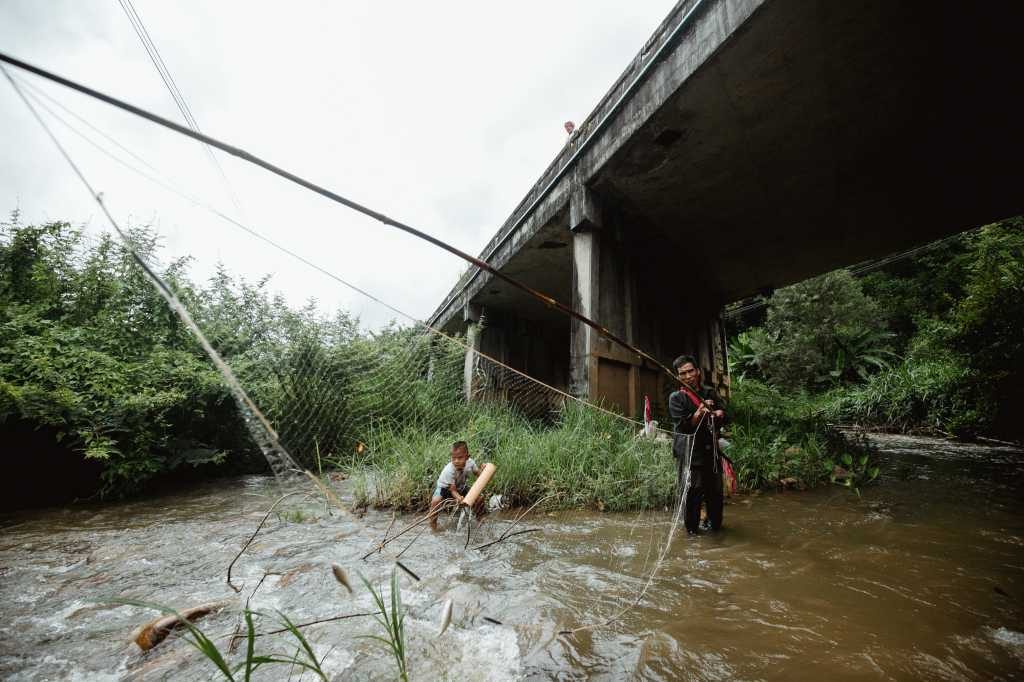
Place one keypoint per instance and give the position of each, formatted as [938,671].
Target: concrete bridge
[749,145]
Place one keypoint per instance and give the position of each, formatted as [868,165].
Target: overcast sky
[441,115]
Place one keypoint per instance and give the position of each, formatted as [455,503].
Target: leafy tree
[821,332]
[90,350]
[924,287]
[747,353]
[987,323]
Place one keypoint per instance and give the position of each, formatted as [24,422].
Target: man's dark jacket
[681,408]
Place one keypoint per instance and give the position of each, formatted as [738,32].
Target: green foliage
[960,371]
[775,435]
[855,471]
[392,621]
[924,288]
[747,353]
[89,348]
[987,325]
[954,314]
[822,332]
[919,392]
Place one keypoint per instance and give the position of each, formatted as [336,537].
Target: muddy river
[920,577]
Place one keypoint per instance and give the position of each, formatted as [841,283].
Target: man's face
[689,375]
[459,458]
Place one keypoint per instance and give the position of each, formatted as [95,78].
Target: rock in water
[152,633]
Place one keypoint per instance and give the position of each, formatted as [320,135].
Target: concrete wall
[537,349]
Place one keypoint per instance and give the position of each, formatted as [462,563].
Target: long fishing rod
[333,196]
[155,177]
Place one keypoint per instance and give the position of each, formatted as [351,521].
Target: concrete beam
[584,210]
[471,312]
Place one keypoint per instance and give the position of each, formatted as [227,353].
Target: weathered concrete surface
[769,141]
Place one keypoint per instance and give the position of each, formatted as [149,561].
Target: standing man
[697,410]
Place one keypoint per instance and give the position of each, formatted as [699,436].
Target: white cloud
[440,114]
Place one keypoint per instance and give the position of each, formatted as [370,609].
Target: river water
[922,577]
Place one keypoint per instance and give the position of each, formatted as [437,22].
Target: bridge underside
[816,135]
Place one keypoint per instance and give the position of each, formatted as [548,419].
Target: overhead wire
[857,270]
[338,198]
[174,90]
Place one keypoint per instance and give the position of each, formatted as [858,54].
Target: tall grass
[585,459]
[393,621]
[589,459]
[914,394]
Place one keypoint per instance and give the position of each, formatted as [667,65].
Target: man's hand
[458,498]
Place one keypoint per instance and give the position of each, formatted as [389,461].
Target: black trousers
[705,487]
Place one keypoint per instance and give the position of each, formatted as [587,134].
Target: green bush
[776,435]
[960,372]
[89,348]
[822,332]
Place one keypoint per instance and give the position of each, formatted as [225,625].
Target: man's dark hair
[682,360]
[460,445]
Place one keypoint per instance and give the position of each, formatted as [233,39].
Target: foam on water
[1012,640]
[488,652]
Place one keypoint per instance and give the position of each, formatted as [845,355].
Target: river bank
[922,576]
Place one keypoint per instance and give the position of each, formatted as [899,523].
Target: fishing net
[320,390]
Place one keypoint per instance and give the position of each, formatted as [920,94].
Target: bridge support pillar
[471,314]
[613,284]
[585,252]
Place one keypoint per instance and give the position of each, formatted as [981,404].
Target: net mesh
[317,390]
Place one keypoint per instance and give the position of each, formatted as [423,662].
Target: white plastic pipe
[478,486]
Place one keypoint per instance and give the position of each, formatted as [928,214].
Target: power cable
[856,270]
[334,196]
[37,94]
[175,91]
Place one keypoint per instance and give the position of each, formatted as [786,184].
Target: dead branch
[414,539]
[408,528]
[394,516]
[506,537]
[253,537]
[155,631]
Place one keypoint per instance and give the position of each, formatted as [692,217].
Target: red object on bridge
[569,127]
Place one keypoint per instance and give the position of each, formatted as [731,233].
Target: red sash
[697,402]
[694,398]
